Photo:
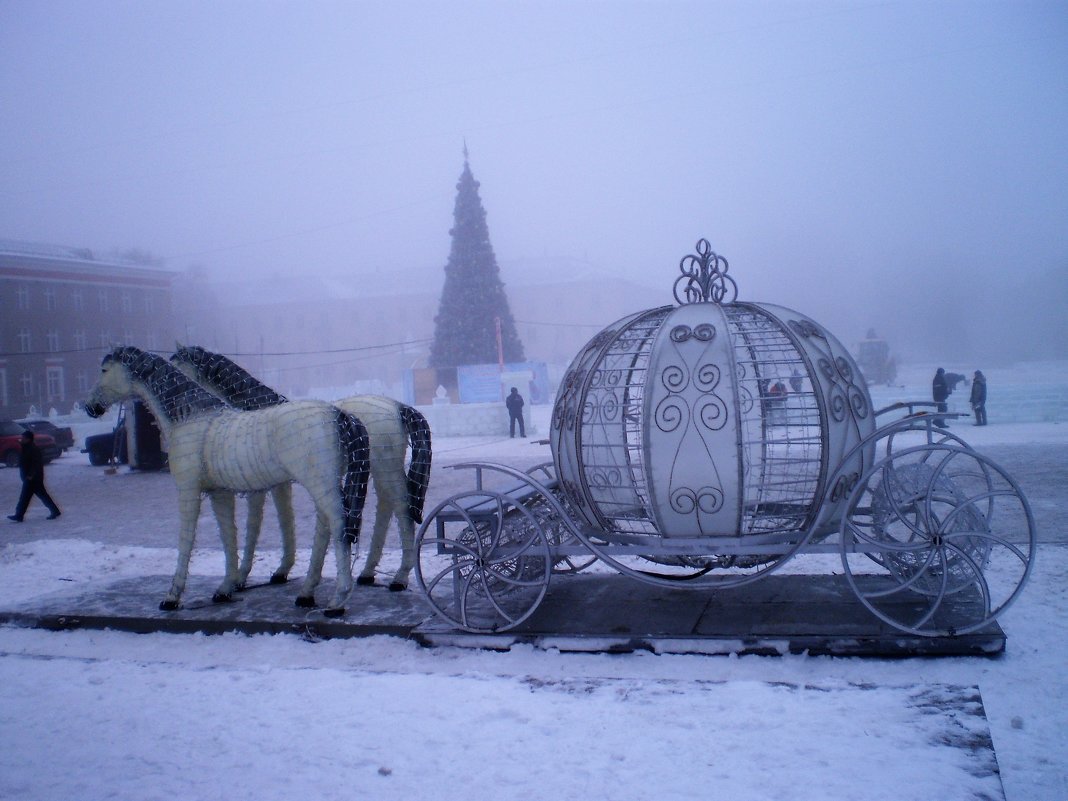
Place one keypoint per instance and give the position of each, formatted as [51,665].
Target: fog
[902,166]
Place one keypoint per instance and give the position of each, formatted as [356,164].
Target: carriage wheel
[937,540]
[483,561]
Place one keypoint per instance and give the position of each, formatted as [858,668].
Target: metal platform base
[776,615]
[590,613]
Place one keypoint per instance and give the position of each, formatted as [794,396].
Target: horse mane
[236,385]
[179,397]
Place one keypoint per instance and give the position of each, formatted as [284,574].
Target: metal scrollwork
[704,278]
[806,328]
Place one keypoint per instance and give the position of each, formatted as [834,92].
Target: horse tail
[418,477]
[356,462]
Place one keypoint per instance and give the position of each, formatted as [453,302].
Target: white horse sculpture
[216,450]
[391,425]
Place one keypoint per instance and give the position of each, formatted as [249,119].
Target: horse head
[188,359]
[115,383]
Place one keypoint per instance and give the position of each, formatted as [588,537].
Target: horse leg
[378,540]
[343,558]
[396,497]
[188,512]
[306,597]
[222,503]
[407,539]
[282,495]
[253,524]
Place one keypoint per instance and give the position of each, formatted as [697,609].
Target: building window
[3,387]
[53,341]
[127,303]
[150,303]
[27,385]
[77,300]
[50,298]
[54,377]
[23,294]
[82,382]
[105,340]
[81,342]
[102,299]
[25,340]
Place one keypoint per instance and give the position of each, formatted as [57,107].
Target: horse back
[257,450]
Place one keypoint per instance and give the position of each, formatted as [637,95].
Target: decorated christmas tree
[473,298]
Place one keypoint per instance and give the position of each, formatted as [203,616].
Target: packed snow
[98,714]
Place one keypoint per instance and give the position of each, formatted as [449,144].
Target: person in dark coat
[514,402]
[31,470]
[940,393]
[978,398]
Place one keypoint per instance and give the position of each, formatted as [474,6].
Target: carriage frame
[485,556]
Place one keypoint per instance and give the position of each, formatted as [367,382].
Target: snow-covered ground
[94,714]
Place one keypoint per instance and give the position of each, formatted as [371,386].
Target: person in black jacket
[940,393]
[31,469]
[978,397]
[514,402]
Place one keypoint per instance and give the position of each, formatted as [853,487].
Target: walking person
[978,398]
[31,470]
[514,402]
[940,393]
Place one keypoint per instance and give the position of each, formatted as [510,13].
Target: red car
[11,447]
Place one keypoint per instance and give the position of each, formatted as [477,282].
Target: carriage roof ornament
[704,278]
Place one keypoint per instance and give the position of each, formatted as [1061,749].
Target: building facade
[61,310]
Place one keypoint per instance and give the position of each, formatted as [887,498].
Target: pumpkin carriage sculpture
[706,444]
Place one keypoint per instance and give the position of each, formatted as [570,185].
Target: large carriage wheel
[483,561]
[937,540]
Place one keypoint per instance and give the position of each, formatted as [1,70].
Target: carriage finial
[704,278]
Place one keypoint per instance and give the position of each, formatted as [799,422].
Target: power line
[99,348]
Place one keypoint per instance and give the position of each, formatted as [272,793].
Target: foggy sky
[897,165]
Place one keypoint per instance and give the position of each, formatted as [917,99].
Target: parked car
[63,435]
[11,444]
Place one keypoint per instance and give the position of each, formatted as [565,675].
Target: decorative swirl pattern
[713,413]
[704,278]
[807,328]
[686,501]
[702,333]
[858,402]
[674,378]
[670,414]
[838,403]
[745,399]
[844,369]
[707,377]
[605,478]
[826,369]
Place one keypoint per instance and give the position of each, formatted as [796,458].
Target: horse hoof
[365,581]
[222,597]
[168,606]
[396,586]
[279,578]
[306,602]
[336,611]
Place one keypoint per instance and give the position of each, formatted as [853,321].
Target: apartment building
[61,309]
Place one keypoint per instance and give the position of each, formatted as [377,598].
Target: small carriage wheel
[561,535]
[483,561]
[937,540]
